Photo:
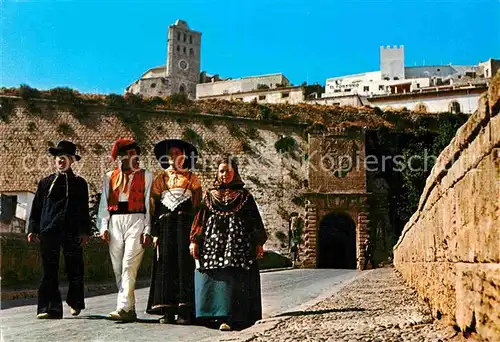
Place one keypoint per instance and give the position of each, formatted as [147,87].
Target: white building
[453,99]
[241,85]
[423,88]
[15,209]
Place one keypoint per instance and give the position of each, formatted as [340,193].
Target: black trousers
[49,296]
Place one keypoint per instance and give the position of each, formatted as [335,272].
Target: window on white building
[380,87]
[366,88]
[454,107]
[421,108]
[285,94]
[262,97]
[347,90]
[8,206]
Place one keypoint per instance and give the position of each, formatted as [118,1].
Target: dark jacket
[62,209]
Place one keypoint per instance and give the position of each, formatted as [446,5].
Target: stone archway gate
[337,183]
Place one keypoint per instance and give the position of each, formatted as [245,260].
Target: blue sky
[102,46]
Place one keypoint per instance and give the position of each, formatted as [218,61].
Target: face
[176,157]
[129,161]
[226,173]
[63,162]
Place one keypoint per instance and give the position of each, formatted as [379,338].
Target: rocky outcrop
[450,248]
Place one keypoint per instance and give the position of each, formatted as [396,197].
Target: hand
[145,240]
[83,239]
[33,238]
[155,242]
[260,252]
[193,250]
[105,236]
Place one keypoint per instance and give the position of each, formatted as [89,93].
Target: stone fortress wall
[272,179]
[450,249]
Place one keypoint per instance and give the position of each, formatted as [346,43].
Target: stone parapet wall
[450,248]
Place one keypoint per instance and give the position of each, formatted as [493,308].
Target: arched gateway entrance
[337,242]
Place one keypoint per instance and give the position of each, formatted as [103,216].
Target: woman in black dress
[226,240]
[176,193]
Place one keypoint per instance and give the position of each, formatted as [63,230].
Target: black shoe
[185,315]
[168,319]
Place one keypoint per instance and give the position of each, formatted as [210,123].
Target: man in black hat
[60,219]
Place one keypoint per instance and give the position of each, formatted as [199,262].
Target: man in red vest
[124,222]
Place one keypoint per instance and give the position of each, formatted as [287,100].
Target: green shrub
[208,122]
[32,108]
[286,144]
[31,126]
[134,100]
[253,133]
[299,201]
[247,148]
[178,99]
[115,100]
[156,101]
[6,109]
[235,130]
[63,94]
[214,146]
[255,180]
[191,136]
[98,149]
[28,93]
[265,113]
[65,129]
[281,236]
[274,260]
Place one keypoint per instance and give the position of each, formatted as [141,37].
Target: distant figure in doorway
[294,251]
[368,254]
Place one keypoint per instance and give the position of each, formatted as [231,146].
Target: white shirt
[103,215]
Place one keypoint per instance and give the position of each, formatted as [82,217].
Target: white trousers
[126,255]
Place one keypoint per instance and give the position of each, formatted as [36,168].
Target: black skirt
[172,280]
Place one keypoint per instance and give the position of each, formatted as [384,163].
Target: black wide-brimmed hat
[161,152]
[66,148]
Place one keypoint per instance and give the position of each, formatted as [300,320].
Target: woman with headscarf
[226,240]
[176,193]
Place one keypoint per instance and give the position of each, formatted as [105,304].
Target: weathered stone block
[478,298]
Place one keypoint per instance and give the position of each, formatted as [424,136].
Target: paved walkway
[376,306]
[281,292]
